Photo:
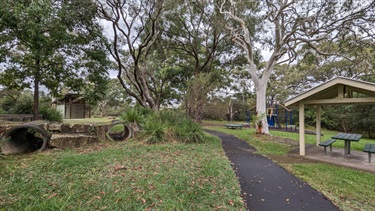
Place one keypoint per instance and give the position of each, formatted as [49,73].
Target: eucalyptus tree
[320,68]
[114,101]
[282,27]
[135,27]
[312,68]
[194,32]
[51,43]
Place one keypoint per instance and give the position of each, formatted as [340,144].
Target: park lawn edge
[122,176]
[347,188]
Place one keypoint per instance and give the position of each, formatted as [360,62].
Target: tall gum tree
[281,27]
[195,36]
[134,30]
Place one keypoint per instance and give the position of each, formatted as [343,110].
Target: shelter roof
[73,96]
[339,90]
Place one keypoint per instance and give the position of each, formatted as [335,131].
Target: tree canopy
[54,43]
[282,28]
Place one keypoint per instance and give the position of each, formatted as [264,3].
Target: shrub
[154,130]
[186,130]
[170,118]
[51,114]
[162,126]
[132,115]
[23,107]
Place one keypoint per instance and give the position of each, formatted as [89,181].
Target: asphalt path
[265,185]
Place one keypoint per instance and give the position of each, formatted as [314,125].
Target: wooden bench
[233,126]
[327,143]
[369,148]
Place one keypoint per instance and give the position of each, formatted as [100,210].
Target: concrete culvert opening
[118,132]
[25,138]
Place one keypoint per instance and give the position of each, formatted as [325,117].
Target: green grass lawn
[170,176]
[98,121]
[121,176]
[347,188]
[311,139]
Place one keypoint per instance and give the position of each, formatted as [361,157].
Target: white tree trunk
[261,107]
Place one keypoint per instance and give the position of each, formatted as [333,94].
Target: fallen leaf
[103,208]
[231,203]
[52,195]
[119,167]
[143,200]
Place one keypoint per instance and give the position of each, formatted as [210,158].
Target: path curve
[267,186]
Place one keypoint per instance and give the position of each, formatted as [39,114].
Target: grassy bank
[121,176]
[96,121]
[309,138]
[347,188]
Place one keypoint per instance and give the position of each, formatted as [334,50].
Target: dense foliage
[52,43]
[163,126]
[17,102]
[180,53]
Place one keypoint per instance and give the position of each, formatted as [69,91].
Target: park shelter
[73,106]
[337,91]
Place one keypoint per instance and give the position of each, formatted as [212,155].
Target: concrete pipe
[118,131]
[28,137]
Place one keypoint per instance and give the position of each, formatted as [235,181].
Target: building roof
[73,96]
[339,90]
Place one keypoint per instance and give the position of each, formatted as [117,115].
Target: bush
[188,131]
[171,118]
[154,130]
[163,126]
[51,114]
[23,107]
[132,115]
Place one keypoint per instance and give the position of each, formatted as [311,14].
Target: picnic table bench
[233,126]
[347,137]
[327,143]
[369,148]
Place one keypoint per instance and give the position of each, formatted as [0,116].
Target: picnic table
[233,126]
[347,137]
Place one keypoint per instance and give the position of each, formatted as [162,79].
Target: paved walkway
[356,159]
[267,186]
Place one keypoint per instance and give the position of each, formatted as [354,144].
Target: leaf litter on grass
[126,176]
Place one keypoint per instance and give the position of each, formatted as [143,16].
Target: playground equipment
[273,112]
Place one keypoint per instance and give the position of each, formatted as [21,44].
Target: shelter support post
[301,128]
[70,107]
[318,124]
